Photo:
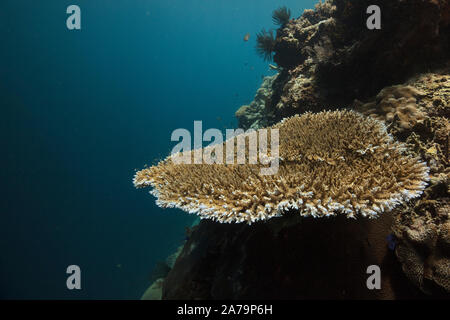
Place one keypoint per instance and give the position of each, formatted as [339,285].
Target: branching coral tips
[329,163]
[234,150]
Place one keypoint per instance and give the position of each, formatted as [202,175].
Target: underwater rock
[421,229]
[299,94]
[160,270]
[174,256]
[254,115]
[328,56]
[289,258]
[296,38]
[154,292]
[423,234]
[423,252]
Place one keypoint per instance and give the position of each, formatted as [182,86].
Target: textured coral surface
[422,227]
[330,162]
[329,57]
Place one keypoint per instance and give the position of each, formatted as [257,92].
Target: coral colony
[330,163]
[235,147]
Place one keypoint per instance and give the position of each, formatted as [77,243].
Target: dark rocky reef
[400,75]
[160,270]
[287,258]
[329,57]
[255,115]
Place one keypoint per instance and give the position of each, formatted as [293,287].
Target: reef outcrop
[417,112]
[399,75]
[289,258]
[329,57]
[255,115]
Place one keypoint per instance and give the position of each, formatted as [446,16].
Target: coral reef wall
[329,57]
[255,115]
[289,258]
[400,75]
[418,112]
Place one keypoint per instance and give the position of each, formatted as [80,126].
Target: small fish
[273,67]
[247,37]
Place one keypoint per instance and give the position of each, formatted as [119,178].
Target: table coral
[330,162]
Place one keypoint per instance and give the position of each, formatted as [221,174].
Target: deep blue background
[81,110]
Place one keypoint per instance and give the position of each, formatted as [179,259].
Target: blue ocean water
[82,109]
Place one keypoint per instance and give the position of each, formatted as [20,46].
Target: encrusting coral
[329,163]
[423,237]
[397,101]
[417,112]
